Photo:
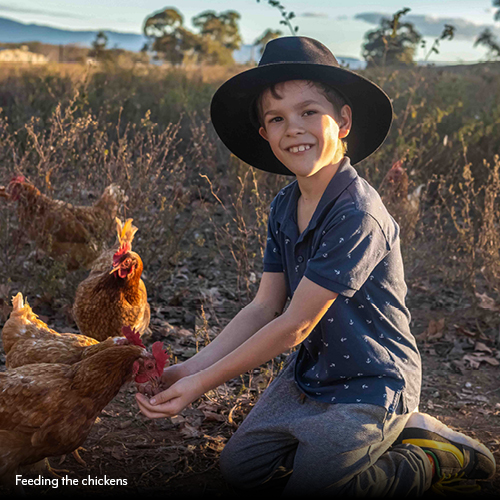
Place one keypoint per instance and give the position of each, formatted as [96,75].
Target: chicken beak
[114,269]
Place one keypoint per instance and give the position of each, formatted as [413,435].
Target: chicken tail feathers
[125,231]
[18,302]
[21,308]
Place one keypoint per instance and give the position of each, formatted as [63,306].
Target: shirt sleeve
[272,254]
[349,249]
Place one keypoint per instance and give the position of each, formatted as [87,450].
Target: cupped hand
[171,374]
[173,400]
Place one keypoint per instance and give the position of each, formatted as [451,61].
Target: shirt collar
[344,176]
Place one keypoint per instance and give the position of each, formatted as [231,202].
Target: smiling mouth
[299,149]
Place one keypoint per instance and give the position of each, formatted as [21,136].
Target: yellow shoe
[457,457]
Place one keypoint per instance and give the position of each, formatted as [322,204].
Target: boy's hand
[173,400]
[171,374]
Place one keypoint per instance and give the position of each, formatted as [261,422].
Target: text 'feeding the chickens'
[67,481]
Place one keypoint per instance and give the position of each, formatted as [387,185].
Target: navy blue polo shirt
[362,350]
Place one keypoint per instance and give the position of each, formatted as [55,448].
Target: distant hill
[16,32]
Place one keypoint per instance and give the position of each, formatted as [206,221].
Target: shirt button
[300,258]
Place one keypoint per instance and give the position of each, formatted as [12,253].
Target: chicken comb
[160,356]
[132,336]
[18,178]
[125,248]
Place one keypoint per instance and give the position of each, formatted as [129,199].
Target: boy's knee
[238,469]
[230,467]
[258,472]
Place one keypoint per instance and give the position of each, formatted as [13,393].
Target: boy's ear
[263,133]
[345,121]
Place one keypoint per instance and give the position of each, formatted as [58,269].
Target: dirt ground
[179,456]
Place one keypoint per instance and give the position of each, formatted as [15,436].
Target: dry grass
[74,129]
[202,213]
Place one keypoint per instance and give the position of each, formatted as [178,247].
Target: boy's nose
[294,128]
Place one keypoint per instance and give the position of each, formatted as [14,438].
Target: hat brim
[230,111]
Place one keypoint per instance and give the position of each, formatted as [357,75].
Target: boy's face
[302,128]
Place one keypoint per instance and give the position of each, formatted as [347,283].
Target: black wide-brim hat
[297,58]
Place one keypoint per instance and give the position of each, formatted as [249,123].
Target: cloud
[312,14]
[433,26]
[21,10]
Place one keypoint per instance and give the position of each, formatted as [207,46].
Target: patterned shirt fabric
[362,350]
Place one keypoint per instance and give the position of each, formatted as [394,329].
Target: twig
[492,390]
[147,472]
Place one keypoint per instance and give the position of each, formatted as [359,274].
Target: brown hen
[113,295]
[48,409]
[75,234]
[28,340]
[402,205]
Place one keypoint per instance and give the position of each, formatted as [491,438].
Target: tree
[162,23]
[168,37]
[490,41]
[222,27]
[219,36]
[99,46]
[487,39]
[393,44]
[267,36]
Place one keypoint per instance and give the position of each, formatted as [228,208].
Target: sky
[341,25]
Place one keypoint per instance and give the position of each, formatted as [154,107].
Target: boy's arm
[310,302]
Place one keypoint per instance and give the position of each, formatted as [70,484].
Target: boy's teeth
[296,149]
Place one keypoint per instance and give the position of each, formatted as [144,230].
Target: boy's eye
[275,119]
[309,112]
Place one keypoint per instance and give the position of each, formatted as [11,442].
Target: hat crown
[297,49]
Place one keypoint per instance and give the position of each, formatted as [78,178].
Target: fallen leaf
[491,361]
[211,416]
[479,346]
[475,359]
[461,329]
[486,302]
[177,419]
[209,406]
[472,360]
[125,424]
[189,431]
[169,457]
[434,331]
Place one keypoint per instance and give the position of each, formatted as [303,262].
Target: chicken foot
[76,456]
[53,471]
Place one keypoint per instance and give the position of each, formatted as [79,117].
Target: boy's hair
[332,94]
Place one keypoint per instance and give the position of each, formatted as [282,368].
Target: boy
[327,422]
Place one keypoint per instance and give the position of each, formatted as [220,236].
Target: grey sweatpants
[295,447]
